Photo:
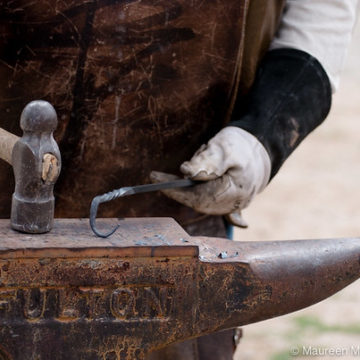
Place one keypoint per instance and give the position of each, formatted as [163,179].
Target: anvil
[70,295]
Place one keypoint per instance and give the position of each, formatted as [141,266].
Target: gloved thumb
[235,218]
[208,163]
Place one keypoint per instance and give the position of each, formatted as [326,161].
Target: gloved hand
[234,166]
[290,97]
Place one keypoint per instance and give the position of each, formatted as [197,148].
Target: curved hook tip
[104,236]
[93,213]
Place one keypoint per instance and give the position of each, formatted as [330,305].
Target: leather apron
[138,85]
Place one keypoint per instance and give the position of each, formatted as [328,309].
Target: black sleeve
[290,97]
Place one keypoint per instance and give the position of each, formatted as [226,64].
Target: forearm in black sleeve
[290,97]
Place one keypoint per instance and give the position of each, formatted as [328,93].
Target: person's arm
[321,28]
[290,97]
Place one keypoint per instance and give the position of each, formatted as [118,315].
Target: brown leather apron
[138,85]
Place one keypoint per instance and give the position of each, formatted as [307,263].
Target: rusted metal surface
[71,295]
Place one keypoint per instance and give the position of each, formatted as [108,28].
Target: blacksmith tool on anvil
[70,295]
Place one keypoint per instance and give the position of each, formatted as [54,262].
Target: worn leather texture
[262,22]
[137,86]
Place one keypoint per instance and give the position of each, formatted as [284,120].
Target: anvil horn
[254,281]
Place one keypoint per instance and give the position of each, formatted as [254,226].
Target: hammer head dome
[38,116]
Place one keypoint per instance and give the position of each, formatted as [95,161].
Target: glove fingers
[187,197]
[211,197]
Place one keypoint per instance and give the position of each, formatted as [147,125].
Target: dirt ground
[315,195]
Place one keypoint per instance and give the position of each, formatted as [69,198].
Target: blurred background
[315,195]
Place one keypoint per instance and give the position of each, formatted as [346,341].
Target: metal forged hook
[126,191]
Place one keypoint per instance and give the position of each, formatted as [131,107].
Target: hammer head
[36,162]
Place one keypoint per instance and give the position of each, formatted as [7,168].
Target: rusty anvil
[71,295]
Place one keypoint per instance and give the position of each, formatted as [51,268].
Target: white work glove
[234,166]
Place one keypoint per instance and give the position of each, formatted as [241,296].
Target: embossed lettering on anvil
[69,304]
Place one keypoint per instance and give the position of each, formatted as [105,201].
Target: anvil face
[71,295]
